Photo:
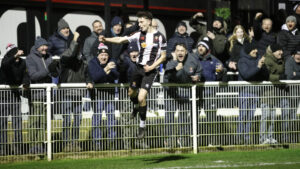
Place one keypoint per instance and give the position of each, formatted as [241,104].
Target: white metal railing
[179,116]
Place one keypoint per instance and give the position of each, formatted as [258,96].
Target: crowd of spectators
[260,54]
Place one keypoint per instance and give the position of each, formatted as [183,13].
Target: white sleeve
[133,37]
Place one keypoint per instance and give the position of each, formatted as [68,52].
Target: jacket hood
[269,54]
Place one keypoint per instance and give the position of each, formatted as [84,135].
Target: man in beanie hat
[251,67]
[14,73]
[289,36]
[216,35]
[103,69]
[180,36]
[116,25]
[213,69]
[61,39]
[263,33]
[152,45]
[127,62]
[292,65]
[37,63]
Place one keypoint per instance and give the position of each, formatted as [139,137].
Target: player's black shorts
[141,79]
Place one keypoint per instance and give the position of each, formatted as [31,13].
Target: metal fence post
[49,148]
[194,122]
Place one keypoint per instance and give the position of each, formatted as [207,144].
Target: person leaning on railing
[275,65]
[73,70]
[185,69]
[251,68]
[37,63]
[103,69]
[14,73]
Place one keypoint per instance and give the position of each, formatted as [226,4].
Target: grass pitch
[269,159]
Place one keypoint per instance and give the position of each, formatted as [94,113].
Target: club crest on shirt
[191,70]
[142,38]
[133,84]
[155,38]
[143,45]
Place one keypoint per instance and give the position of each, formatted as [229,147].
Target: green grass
[270,159]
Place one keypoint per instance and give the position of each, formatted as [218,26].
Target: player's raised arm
[117,40]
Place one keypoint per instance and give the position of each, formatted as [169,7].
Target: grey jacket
[37,66]
[88,45]
[191,67]
[290,67]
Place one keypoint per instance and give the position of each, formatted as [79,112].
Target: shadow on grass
[164,159]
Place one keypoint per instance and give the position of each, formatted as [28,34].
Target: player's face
[180,53]
[144,24]
[103,58]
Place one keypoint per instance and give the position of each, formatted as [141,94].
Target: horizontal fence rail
[70,121]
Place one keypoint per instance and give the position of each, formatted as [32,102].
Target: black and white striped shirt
[150,46]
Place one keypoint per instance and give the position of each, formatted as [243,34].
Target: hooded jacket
[248,70]
[37,66]
[290,67]
[275,66]
[13,72]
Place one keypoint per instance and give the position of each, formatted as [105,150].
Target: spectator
[127,62]
[251,68]
[237,41]
[275,65]
[73,70]
[37,63]
[89,41]
[61,39]
[103,69]
[152,54]
[289,36]
[263,34]
[14,73]
[180,36]
[292,66]
[185,69]
[296,13]
[216,35]
[213,69]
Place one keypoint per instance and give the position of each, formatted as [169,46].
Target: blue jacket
[58,44]
[248,70]
[97,73]
[208,64]
[126,68]
[177,38]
